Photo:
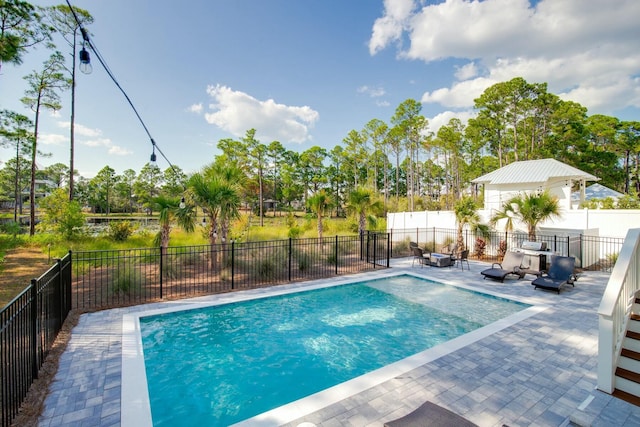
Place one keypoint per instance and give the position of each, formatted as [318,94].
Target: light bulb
[85,62]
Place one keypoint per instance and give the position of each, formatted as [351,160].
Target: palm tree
[320,203]
[530,209]
[466,213]
[219,201]
[170,210]
[360,201]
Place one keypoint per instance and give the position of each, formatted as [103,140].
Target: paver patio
[538,372]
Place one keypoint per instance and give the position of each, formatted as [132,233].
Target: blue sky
[306,72]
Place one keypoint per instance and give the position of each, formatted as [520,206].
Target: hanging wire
[87,40]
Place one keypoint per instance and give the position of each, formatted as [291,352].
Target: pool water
[223,364]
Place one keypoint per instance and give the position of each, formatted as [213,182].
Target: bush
[502,249]
[303,261]
[266,269]
[61,216]
[120,231]
[127,280]
[480,247]
[294,232]
[12,227]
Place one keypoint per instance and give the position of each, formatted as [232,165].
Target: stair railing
[615,309]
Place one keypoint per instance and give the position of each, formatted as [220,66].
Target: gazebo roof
[533,172]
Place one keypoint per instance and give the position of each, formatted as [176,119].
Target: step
[633,335]
[634,323]
[635,400]
[629,363]
[626,385]
[630,343]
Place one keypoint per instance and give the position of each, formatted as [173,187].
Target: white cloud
[98,142]
[460,94]
[467,71]
[93,138]
[196,108]
[588,52]
[389,28]
[52,139]
[119,151]
[373,92]
[81,130]
[443,119]
[236,112]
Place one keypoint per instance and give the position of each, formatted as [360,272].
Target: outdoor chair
[510,265]
[430,414]
[464,257]
[560,273]
[418,254]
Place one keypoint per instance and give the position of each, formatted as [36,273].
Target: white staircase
[627,376]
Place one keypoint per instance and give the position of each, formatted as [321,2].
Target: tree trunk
[32,187]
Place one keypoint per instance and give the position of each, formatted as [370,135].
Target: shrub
[294,232]
[480,247]
[61,216]
[12,227]
[502,249]
[303,261]
[127,280]
[266,269]
[120,231]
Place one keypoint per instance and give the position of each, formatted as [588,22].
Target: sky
[306,72]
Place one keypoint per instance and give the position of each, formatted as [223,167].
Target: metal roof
[533,171]
[596,191]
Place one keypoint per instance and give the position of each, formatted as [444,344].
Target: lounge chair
[560,272]
[509,265]
[430,414]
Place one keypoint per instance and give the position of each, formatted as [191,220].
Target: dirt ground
[19,267]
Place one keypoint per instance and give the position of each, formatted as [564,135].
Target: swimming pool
[216,365]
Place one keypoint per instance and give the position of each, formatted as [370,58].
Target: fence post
[233,264]
[375,249]
[388,249]
[568,246]
[367,250]
[161,265]
[336,254]
[555,243]
[69,284]
[581,257]
[390,237]
[60,286]
[34,328]
[290,256]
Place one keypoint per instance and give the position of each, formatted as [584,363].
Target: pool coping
[135,404]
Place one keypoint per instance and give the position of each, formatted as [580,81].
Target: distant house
[533,176]
[596,191]
[43,188]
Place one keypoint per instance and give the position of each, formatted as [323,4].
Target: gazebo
[533,176]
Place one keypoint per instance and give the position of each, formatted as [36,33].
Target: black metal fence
[30,324]
[113,278]
[591,252]
[103,279]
